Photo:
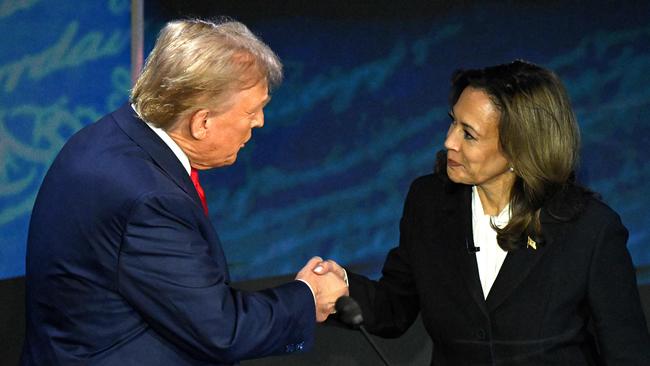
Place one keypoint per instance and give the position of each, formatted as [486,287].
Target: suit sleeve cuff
[313,294]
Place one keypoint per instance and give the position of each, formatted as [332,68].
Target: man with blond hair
[123,264]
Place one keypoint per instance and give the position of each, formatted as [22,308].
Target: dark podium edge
[334,345]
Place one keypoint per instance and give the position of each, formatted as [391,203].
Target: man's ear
[198,124]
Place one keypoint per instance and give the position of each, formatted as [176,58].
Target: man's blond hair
[198,64]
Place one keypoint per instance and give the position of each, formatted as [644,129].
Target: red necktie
[194,175]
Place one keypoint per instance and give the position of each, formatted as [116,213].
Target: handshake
[328,282]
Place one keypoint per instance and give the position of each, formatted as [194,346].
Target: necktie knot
[194,176]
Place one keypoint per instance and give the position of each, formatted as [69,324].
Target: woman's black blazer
[573,301]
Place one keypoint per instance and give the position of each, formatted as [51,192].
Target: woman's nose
[452,140]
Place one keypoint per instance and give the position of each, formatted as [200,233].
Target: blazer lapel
[141,134]
[519,263]
[459,226]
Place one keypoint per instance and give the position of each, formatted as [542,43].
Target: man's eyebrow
[264,102]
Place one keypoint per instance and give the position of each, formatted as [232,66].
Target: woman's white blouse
[490,257]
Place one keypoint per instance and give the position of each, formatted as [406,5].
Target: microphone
[350,313]
[471,248]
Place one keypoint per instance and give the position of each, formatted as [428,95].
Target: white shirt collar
[501,220]
[180,154]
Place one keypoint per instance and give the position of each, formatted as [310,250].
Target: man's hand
[327,287]
[331,266]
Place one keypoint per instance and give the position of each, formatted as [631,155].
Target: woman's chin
[455,177]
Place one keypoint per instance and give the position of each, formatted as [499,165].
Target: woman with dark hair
[509,261]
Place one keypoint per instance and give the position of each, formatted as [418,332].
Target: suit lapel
[459,226]
[164,157]
[141,134]
[519,263]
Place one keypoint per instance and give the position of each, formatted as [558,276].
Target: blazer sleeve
[167,273]
[614,300]
[391,305]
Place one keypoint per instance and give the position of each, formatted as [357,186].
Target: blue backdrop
[63,64]
[361,113]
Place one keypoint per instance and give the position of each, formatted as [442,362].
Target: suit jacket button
[289,348]
[480,334]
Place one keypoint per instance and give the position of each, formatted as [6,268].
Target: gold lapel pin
[531,243]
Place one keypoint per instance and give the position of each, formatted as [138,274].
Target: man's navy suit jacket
[124,268]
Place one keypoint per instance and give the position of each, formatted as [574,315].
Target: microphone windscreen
[349,311]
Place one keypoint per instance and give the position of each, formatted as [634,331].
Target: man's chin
[230,160]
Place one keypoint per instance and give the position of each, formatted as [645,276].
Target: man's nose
[259,120]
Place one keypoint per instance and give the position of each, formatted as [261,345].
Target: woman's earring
[512,169]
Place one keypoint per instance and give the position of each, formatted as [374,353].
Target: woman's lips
[453,163]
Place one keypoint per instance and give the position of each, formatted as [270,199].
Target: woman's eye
[468,136]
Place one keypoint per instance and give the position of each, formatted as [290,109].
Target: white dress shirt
[180,154]
[490,257]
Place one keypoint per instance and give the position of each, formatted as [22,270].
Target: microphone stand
[350,314]
[372,343]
